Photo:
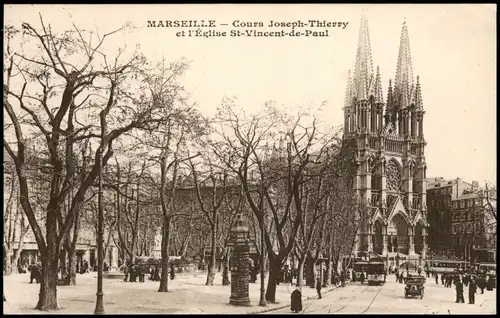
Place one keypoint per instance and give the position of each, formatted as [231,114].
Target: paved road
[389,298]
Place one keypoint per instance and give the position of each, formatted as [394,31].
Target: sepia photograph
[249,159]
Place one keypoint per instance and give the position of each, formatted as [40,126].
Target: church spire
[390,105]
[349,91]
[377,94]
[403,83]
[363,70]
[417,96]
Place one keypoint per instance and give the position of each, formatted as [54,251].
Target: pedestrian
[362,277]
[472,291]
[126,270]
[466,280]
[172,271]
[353,275]
[296,300]
[156,274]
[142,274]
[436,278]
[419,271]
[319,285]
[481,283]
[133,274]
[253,275]
[442,278]
[397,277]
[35,274]
[489,283]
[459,288]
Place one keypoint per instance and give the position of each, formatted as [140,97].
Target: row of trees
[73,112]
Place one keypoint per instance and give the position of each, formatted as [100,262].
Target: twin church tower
[389,141]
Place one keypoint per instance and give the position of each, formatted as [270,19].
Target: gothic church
[390,160]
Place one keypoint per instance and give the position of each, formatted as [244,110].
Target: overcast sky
[453,51]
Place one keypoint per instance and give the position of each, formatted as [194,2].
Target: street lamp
[99,305]
[262,301]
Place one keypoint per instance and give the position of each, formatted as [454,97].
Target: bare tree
[315,199]
[61,91]
[210,200]
[167,149]
[271,183]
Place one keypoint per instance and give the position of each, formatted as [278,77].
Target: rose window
[393,176]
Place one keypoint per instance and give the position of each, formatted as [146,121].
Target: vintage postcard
[249,158]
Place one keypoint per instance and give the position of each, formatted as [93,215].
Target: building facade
[390,156]
[474,226]
[440,193]
[461,225]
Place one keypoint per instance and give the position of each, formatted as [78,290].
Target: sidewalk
[188,294]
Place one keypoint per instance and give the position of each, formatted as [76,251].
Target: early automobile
[415,286]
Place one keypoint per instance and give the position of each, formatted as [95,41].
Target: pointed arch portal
[400,242]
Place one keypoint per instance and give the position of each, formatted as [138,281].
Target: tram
[376,272]
[488,267]
[443,266]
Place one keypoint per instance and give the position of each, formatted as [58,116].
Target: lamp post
[262,301]
[99,305]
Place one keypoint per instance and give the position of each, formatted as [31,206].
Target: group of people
[134,272]
[82,267]
[402,277]
[472,280]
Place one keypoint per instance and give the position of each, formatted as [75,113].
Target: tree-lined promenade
[106,140]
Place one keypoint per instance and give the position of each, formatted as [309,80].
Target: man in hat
[459,288]
[472,290]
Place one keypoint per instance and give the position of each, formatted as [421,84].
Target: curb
[288,305]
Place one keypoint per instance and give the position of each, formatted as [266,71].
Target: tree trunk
[48,285]
[225,271]
[64,268]
[273,277]
[164,255]
[314,274]
[211,265]
[300,274]
[328,271]
[72,267]
[10,265]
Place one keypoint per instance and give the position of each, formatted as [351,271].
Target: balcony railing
[394,144]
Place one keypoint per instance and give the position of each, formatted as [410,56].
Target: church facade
[388,137]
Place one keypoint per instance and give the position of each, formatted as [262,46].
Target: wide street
[188,294]
[389,298]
